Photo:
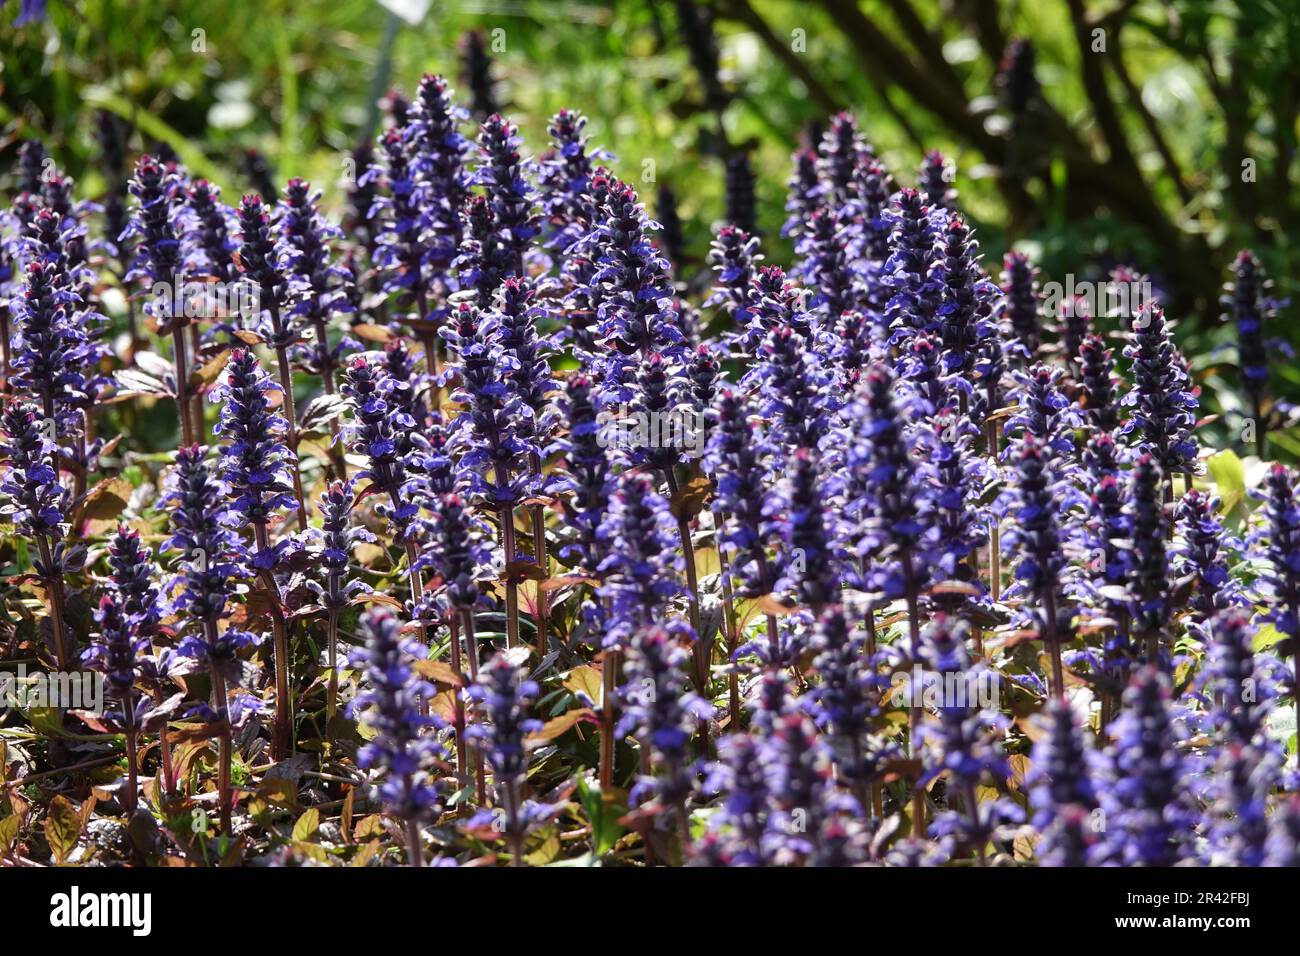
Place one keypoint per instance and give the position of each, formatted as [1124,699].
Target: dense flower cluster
[786,566]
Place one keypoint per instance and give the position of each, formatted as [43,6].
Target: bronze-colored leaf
[564,581]
[523,570]
[279,792]
[439,671]
[956,587]
[557,726]
[376,598]
[365,854]
[304,831]
[8,834]
[371,826]
[371,333]
[585,680]
[209,371]
[62,827]
[345,818]
[105,501]
[771,604]
[691,498]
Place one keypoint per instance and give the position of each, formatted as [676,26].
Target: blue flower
[403,746]
[338,535]
[256,464]
[1163,398]
[659,710]
[1146,800]
[641,569]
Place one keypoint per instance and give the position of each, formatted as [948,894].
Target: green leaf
[1229,478]
[1266,635]
[604,817]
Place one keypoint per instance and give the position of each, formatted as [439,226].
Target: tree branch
[742,10]
[927,44]
[1152,126]
[1094,84]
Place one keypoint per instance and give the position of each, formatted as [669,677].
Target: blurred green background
[1165,134]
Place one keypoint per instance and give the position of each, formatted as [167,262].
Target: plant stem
[539,555]
[332,690]
[414,851]
[995,548]
[700,677]
[458,705]
[733,638]
[132,798]
[973,810]
[219,703]
[914,715]
[692,581]
[4,347]
[54,587]
[182,383]
[281,741]
[1054,644]
[165,752]
[471,653]
[512,585]
[291,416]
[516,834]
[196,400]
[1261,427]
[281,744]
[608,677]
[338,465]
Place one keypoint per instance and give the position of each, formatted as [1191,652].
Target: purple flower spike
[438,159]
[935,181]
[403,746]
[967,309]
[1099,384]
[338,536]
[1020,286]
[1146,802]
[1063,793]
[584,483]
[132,564]
[37,503]
[503,696]
[660,712]
[641,568]
[262,264]
[745,528]
[501,172]
[201,532]
[1163,398]
[255,461]
[371,436]
[315,285]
